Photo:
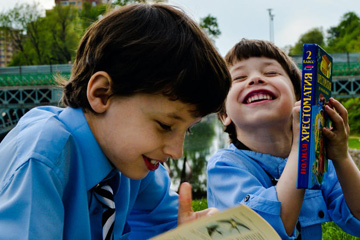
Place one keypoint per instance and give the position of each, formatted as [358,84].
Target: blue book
[315,93]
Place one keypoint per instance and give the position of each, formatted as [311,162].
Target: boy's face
[137,133]
[262,93]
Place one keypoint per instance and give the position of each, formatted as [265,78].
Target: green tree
[192,166]
[314,35]
[41,40]
[346,36]
[90,14]
[26,32]
[210,26]
[352,106]
[64,28]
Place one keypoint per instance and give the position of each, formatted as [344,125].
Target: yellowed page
[239,223]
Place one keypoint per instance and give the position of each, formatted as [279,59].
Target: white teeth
[258,97]
[154,162]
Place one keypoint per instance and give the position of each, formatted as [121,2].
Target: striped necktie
[105,196]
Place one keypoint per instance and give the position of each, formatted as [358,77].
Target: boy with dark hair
[143,75]
[261,115]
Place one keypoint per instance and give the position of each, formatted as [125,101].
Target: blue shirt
[243,177]
[49,164]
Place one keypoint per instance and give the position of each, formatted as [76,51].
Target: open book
[238,223]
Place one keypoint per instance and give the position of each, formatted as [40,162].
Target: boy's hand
[296,123]
[337,136]
[185,212]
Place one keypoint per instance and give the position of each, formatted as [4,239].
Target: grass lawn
[354,142]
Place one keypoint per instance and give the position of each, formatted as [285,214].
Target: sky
[250,19]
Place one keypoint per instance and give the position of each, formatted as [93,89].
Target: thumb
[185,212]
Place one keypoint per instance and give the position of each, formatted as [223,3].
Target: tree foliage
[89,14]
[210,26]
[63,30]
[314,35]
[192,166]
[53,38]
[40,39]
[352,106]
[345,37]
[26,32]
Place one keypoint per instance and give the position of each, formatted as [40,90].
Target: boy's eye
[164,126]
[239,78]
[271,73]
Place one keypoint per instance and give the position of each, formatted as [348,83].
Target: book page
[239,223]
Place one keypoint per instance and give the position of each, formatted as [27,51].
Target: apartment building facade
[6,47]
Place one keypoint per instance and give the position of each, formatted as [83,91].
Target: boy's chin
[136,176]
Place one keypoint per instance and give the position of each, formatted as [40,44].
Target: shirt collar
[96,165]
[272,164]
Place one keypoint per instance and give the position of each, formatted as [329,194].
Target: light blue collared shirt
[237,177]
[49,164]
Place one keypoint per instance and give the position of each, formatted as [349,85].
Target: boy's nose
[174,147]
[256,80]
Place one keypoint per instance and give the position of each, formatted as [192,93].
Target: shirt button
[247,198]
[321,214]
[96,210]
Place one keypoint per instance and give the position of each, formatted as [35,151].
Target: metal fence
[36,69]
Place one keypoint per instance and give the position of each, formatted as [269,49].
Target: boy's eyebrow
[267,63]
[175,116]
[238,67]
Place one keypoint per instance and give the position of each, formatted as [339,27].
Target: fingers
[296,118]
[342,111]
[296,108]
[328,133]
[185,198]
[338,115]
[185,212]
[297,104]
[206,212]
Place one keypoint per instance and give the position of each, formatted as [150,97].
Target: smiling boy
[259,168]
[142,77]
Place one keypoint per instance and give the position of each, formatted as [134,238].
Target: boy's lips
[258,96]
[151,164]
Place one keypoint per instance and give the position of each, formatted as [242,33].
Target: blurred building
[6,47]
[79,3]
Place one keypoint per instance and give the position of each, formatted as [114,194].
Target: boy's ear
[225,119]
[99,91]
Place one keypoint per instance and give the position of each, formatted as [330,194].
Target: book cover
[315,93]
[238,223]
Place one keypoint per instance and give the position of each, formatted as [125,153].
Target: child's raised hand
[185,212]
[337,136]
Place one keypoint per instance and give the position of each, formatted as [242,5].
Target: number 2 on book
[309,54]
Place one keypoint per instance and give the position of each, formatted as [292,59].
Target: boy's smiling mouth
[151,164]
[258,96]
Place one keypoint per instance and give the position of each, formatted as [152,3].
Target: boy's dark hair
[248,48]
[152,49]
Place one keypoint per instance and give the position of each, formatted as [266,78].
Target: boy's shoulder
[43,126]
[39,134]
[229,156]
[241,158]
